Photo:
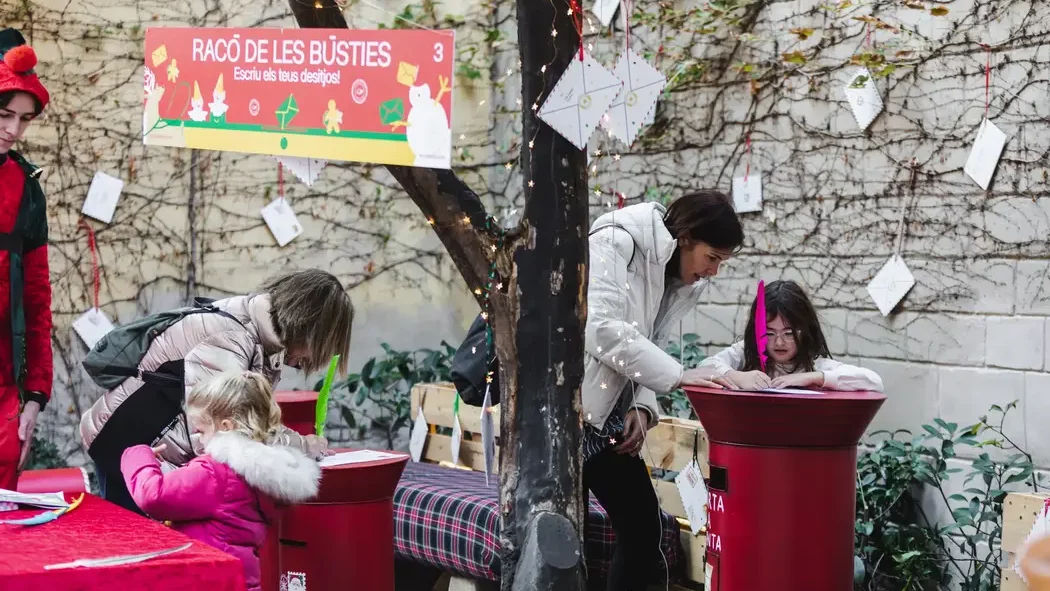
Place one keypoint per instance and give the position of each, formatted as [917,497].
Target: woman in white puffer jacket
[648,267]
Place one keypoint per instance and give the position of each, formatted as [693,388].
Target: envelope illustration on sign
[287,111]
[891,284]
[407,73]
[580,99]
[159,55]
[392,111]
[642,85]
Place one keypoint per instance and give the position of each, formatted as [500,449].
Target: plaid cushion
[449,519]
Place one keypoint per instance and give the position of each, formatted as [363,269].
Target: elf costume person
[25,288]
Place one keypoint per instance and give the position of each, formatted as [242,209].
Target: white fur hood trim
[281,472]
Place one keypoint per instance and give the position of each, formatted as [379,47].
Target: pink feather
[760,324]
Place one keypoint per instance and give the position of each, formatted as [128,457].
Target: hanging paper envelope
[630,110]
[579,99]
[863,98]
[891,284]
[985,154]
[306,169]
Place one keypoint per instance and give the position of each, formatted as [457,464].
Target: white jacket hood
[283,473]
[645,223]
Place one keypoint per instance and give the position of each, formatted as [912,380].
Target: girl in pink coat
[226,496]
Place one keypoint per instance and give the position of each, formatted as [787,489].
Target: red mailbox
[782,487]
[298,412]
[344,539]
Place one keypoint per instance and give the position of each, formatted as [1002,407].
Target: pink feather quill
[760,324]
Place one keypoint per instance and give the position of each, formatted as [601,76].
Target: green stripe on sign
[362,135]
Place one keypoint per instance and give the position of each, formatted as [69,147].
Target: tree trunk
[536,280]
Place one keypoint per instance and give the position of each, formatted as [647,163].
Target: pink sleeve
[188,493]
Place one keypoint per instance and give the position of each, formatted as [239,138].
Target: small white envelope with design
[630,110]
[307,169]
[891,284]
[863,98]
[579,99]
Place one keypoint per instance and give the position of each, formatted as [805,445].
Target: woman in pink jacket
[227,496]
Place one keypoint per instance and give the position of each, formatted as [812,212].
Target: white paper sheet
[865,100]
[102,197]
[693,490]
[642,85]
[579,100]
[747,193]
[488,432]
[605,10]
[796,391]
[891,284]
[305,169]
[55,500]
[280,218]
[359,456]
[984,157]
[91,326]
[457,440]
[418,439]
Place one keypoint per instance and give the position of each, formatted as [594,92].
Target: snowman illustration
[427,128]
[218,106]
[197,112]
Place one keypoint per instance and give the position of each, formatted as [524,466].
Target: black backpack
[116,356]
[469,367]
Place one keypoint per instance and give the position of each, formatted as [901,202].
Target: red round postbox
[782,487]
[344,539]
[298,412]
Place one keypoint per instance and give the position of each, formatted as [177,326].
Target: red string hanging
[96,283]
[868,41]
[577,22]
[987,79]
[747,156]
[280,180]
[621,200]
[627,4]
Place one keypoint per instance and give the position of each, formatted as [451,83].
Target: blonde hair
[244,398]
[311,309]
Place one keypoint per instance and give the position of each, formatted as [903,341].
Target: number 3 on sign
[439,52]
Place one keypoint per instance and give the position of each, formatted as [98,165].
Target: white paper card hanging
[102,197]
[605,10]
[579,100]
[693,490]
[281,220]
[418,439]
[863,98]
[91,326]
[305,169]
[488,432]
[457,439]
[891,284]
[642,85]
[747,193]
[984,157]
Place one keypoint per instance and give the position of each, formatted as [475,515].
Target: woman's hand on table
[811,379]
[748,380]
[703,377]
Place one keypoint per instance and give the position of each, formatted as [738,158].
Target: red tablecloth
[98,529]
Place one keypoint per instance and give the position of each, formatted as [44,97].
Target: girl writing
[226,496]
[798,355]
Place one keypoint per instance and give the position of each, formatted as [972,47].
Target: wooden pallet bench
[669,447]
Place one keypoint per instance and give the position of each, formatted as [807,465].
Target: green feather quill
[321,413]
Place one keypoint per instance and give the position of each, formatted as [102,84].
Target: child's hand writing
[748,380]
[812,379]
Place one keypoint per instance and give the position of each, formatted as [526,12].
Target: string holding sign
[92,325]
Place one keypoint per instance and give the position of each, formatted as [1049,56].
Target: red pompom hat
[17,61]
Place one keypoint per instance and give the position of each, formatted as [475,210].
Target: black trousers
[111,486]
[622,486]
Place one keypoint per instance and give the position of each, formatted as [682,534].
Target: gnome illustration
[427,129]
[197,113]
[218,106]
